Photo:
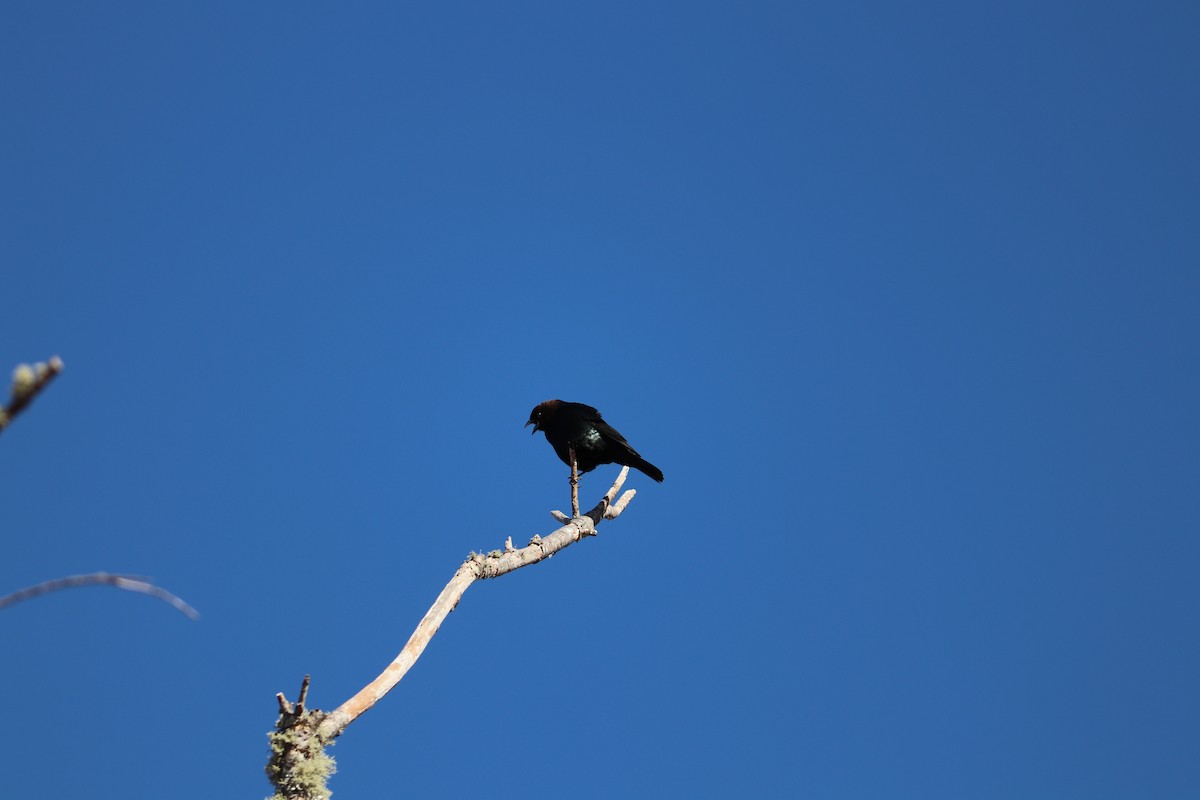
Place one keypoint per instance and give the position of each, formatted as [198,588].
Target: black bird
[596,442]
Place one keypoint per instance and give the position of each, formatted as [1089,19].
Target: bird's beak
[535,427]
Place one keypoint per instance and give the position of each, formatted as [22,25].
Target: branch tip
[303,695]
[27,382]
[615,510]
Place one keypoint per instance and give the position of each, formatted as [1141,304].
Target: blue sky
[902,299]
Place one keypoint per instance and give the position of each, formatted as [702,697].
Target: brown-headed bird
[580,426]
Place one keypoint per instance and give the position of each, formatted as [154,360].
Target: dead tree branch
[132,583]
[476,567]
[311,730]
[27,382]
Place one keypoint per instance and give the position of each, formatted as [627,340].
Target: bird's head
[541,413]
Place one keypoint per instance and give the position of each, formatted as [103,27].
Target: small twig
[132,583]
[476,567]
[574,483]
[27,382]
[303,695]
[615,510]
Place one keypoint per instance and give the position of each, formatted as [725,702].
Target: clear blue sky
[902,299]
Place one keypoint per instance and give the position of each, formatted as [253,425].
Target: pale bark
[476,567]
[299,766]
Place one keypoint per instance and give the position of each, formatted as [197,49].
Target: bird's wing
[592,416]
[584,410]
[611,433]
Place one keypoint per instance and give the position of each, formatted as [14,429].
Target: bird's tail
[648,468]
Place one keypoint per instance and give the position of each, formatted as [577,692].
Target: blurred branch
[132,583]
[27,382]
[299,766]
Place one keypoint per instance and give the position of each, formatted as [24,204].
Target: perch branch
[574,483]
[27,383]
[476,567]
[132,583]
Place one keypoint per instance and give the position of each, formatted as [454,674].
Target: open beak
[535,427]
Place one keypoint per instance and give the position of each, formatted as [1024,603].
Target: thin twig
[574,483]
[132,583]
[476,567]
[303,698]
[26,384]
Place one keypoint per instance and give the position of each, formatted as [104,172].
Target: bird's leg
[574,483]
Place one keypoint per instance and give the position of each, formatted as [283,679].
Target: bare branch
[574,482]
[28,381]
[476,567]
[132,583]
